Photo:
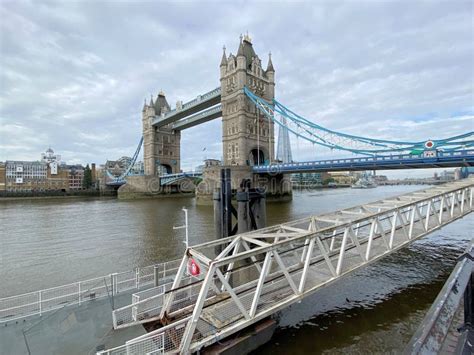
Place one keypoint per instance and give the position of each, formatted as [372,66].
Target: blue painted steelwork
[316,134]
[388,162]
[120,180]
[170,179]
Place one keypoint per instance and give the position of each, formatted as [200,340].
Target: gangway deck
[248,277]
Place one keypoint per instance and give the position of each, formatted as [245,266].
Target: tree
[87,179]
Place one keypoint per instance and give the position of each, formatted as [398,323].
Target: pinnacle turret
[270,64]
[240,51]
[224,59]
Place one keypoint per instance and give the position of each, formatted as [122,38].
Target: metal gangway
[246,278]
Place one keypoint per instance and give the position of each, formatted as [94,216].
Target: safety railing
[156,344]
[146,305]
[39,302]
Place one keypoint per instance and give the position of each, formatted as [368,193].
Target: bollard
[243,212]
[217,213]
[259,209]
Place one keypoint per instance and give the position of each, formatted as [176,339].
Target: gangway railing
[251,276]
[39,302]
[146,305]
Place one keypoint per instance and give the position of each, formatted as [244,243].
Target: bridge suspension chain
[130,166]
[316,134]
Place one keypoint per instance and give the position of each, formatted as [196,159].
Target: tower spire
[241,48]
[151,101]
[224,58]
[270,64]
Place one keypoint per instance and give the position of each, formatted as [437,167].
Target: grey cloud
[74,75]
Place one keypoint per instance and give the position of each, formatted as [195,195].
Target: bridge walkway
[249,277]
[191,107]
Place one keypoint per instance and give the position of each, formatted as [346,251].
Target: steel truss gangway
[246,278]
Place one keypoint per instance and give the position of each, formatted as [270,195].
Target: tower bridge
[245,101]
[245,143]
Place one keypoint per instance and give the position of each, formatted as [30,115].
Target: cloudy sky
[73,75]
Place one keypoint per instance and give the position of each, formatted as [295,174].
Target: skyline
[95,64]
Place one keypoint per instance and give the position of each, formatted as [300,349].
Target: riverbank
[317,186]
[54,197]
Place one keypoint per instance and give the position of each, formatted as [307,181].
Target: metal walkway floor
[83,329]
[248,277]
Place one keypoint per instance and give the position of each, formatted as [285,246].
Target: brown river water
[46,243]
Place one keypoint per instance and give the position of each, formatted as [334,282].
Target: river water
[45,243]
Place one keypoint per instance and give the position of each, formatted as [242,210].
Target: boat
[364,182]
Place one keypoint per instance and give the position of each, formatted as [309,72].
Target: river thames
[46,243]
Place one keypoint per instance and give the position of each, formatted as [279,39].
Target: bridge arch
[257,156]
[162,169]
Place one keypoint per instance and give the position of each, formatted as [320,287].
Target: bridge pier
[277,187]
[149,186]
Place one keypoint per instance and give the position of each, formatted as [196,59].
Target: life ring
[193,267]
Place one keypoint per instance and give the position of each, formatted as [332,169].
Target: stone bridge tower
[161,146]
[247,136]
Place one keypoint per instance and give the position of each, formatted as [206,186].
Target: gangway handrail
[39,302]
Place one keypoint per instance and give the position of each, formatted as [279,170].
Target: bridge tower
[161,146]
[247,137]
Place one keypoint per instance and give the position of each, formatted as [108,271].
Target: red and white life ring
[193,267]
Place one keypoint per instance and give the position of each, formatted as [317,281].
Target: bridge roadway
[246,278]
[459,158]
